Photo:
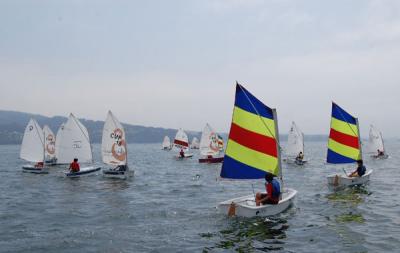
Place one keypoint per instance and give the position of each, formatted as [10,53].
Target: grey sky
[174,63]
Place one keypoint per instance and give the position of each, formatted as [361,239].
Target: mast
[277,144]
[359,138]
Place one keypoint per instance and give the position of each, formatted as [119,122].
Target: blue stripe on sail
[334,157]
[233,169]
[242,101]
[342,115]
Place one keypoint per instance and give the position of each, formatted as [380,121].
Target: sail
[166,142]
[113,144]
[209,142]
[181,140]
[252,148]
[375,141]
[344,142]
[58,138]
[32,147]
[295,143]
[49,143]
[195,143]
[220,143]
[73,142]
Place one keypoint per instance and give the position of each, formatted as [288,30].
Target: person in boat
[74,166]
[121,168]
[39,165]
[300,157]
[273,191]
[380,153]
[360,171]
[182,153]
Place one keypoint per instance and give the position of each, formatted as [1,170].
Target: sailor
[360,171]
[74,166]
[39,165]
[300,157]
[380,153]
[181,153]
[273,191]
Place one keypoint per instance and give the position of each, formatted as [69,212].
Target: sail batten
[252,148]
[344,141]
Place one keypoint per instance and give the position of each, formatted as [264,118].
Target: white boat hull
[380,156]
[246,206]
[343,180]
[85,171]
[189,155]
[115,174]
[34,170]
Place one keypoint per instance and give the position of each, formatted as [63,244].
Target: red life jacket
[270,191]
[74,166]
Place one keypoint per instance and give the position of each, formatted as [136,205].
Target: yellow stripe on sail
[344,150]
[344,127]
[252,158]
[252,122]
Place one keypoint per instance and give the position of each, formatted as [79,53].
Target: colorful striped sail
[252,147]
[344,141]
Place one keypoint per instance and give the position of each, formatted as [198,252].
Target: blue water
[169,206]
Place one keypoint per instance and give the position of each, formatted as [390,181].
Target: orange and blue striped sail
[344,143]
[252,148]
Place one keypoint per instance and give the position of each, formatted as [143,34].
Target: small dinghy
[376,145]
[113,149]
[73,142]
[50,146]
[210,147]
[195,143]
[166,144]
[32,148]
[252,151]
[181,143]
[344,146]
[295,146]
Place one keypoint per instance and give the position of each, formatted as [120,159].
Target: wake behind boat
[33,148]
[114,149]
[344,147]
[252,152]
[181,145]
[210,146]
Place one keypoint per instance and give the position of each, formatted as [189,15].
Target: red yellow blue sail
[252,148]
[344,137]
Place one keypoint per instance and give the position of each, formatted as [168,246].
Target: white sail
[166,143]
[295,141]
[32,147]
[113,144]
[58,138]
[195,143]
[73,142]
[49,143]
[209,142]
[181,140]
[375,141]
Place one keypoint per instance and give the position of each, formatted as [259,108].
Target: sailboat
[375,144]
[295,145]
[73,142]
[181,143]
[166,144]
[49,146]
[210,146]
[32,148]
[114,150]
[251,152]
[344,146]
[195,143]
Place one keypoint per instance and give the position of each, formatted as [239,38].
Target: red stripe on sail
[254,141]
[344,139]
[182,143]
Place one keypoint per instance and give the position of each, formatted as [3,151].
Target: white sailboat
[375,144]
[195,143]
[73,142]
[210,146]
[32,148]
[295,146]
[49,146]
[181,144]
[114,149]
[166,144]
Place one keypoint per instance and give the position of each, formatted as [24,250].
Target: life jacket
[361,170]
[75,166]
[276,189]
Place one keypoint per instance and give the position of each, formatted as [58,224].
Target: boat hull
[117,174]
[186,156]
[82,172]
[211,160]
[380,157]
[297,162]
[343,180]
[34,170]
[246,206]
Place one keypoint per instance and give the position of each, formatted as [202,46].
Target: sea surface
[170,206]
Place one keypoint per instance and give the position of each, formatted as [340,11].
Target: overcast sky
[174,63]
